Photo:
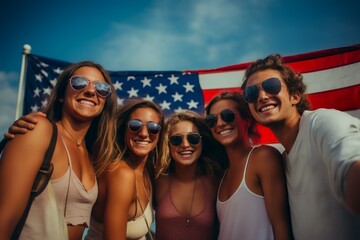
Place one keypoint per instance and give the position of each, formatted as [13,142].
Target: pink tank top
[170,224]
[74,201]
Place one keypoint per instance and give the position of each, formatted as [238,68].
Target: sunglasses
[192,138]
[271,86]
[226,115]
[135,125]
[78,83]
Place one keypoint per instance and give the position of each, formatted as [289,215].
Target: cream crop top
[74,201]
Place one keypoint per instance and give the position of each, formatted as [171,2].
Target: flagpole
[26,51]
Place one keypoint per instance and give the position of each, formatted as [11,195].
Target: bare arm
[21,125]
[352,194]
[19,165]
[273,182]
[120,186]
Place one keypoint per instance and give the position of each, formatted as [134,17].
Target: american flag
[332,77]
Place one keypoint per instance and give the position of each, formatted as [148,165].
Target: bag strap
[45,169]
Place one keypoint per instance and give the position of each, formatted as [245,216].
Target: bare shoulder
[120,176]
[265,156]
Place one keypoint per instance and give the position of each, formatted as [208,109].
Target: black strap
[41,180]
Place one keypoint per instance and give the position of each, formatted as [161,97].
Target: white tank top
[243,215]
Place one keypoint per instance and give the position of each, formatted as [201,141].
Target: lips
[141,142]
[225,131]
[186,153]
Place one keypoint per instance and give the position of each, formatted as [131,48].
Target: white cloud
[8,98]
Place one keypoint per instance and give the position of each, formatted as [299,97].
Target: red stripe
[307,62]
[343,99]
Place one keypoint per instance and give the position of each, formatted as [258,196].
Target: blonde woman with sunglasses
[188,172]
[82,105]
[252,197]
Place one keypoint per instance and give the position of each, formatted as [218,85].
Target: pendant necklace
[78,144]
[191,206]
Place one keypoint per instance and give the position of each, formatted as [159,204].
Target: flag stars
[133,92]
[119,101]
[118,85]
[35,108]
[38,77]
[58,70]
[192,104]
[149,98]
[37,92]
[177,97]
[165,105]
[179,109]
[47,90]
[189,87]
[44,103]
[129,78]
[53,82]
[161,88]
[173,79]
[146,82]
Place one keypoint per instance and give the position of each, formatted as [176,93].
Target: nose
[90,88]
[143,131]
[262,94]
[185,142]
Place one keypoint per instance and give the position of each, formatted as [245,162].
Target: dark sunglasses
[192,138]
[226,115]
[78,83]
[271,86]
[135,125]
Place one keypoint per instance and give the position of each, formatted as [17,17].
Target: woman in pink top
[187,178]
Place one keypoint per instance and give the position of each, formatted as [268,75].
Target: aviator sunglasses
[192,138]
[78,83]
[271,86]
[226,115]
[135,125]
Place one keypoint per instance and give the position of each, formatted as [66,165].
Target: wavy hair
[122,117]
[213,159]
[293,80]
[100,138]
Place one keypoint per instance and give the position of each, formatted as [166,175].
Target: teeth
[186,153]
[141,142]
[225,131]
[87,102]
[267,108]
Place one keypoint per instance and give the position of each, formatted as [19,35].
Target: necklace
[78,144]
[191,206]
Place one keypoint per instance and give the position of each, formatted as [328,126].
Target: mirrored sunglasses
[227,115]
[271,86]
[152,127]
[79,83]
[192,138]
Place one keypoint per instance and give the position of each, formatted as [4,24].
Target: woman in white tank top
[252,197]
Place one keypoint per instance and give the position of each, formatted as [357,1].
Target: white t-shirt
[327,144]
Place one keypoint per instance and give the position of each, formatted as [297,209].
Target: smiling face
[185,153]
[84,104]
[269,109]
[229,133]
[142,142]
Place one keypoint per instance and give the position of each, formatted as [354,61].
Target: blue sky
[166,35]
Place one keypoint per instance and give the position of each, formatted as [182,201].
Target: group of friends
[204,177]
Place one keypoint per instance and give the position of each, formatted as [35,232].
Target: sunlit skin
[264,174]
[116,205]
[278,112]
[228,133]
[185,154]
[79,109]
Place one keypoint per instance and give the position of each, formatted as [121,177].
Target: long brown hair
[100,137]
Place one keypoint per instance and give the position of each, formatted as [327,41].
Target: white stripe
[319,81]
[332,79]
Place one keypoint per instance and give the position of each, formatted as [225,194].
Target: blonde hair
[213,159]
